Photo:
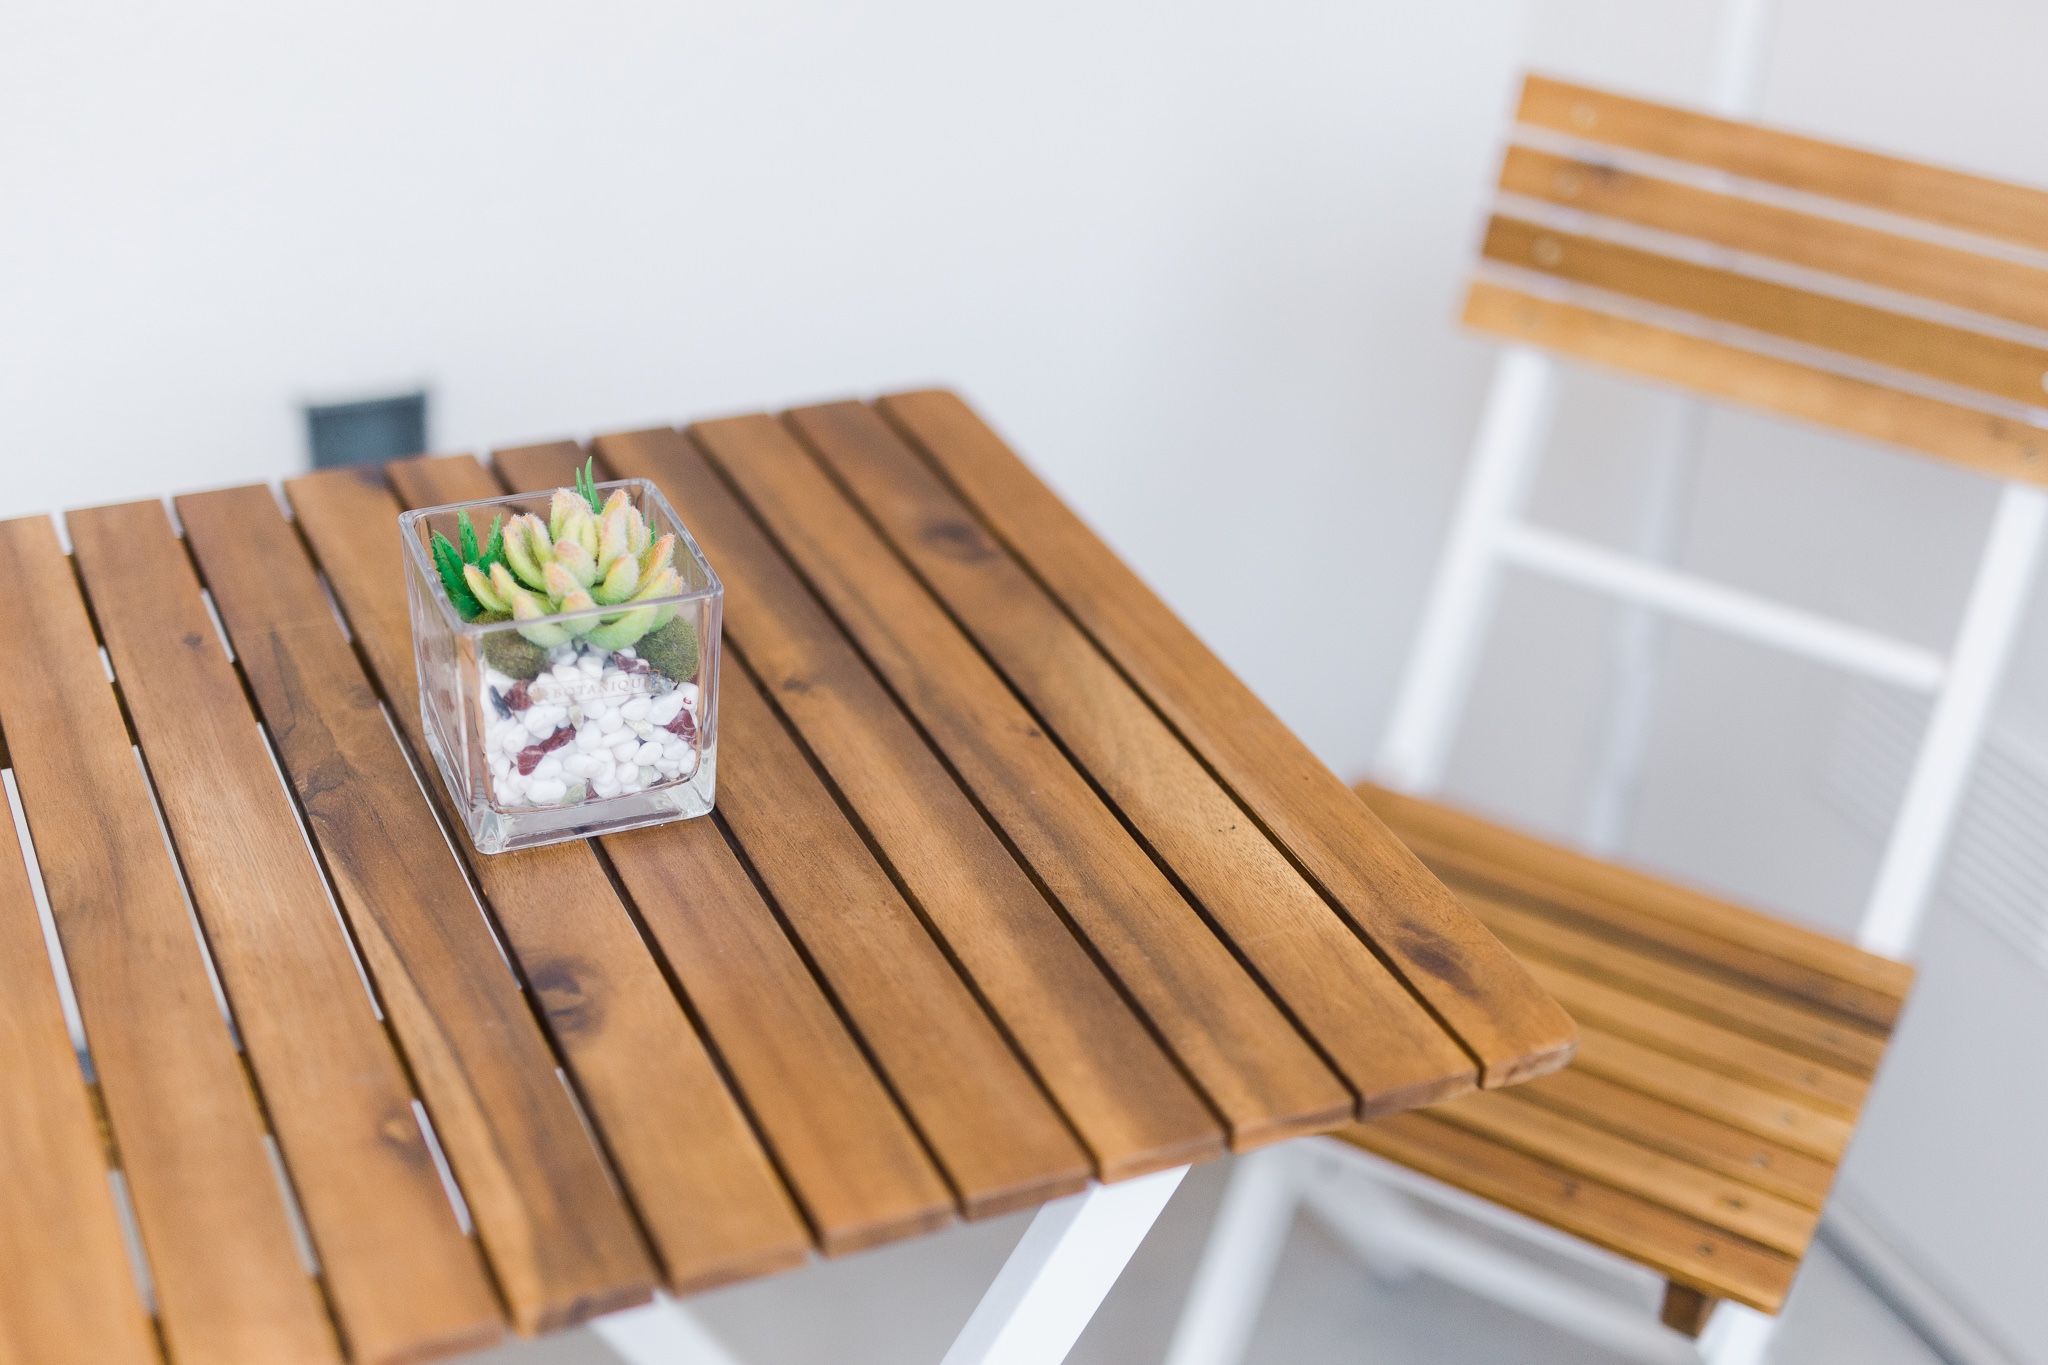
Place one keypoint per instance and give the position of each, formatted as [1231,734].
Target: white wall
[1201,260]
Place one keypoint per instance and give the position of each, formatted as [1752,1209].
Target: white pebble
[629,777]
[664,708]
[512,790]
[591,665]
[512,738]
[577,764]
[688,692]
[636,709]
[605,787]
[669,767]
[566,672]
[590,737]
[647,754]
[610,722]
[540,721]
[688,764]
[548,767]
[545,791]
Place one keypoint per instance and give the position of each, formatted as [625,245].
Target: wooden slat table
[1012,889]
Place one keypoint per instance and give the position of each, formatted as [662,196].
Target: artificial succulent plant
[591,552]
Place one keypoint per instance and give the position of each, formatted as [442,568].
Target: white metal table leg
[1060,1271]
[1243,1249]
[660,1333]
[1737,1335]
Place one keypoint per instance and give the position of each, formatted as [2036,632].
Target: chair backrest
[1884,297]
[1888,299]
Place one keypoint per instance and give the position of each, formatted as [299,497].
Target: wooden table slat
[1503,1018]
[710,1200]
[1380,1038]
[993,1131]
[560,1240]
[1041,798]
[1235,1044]
[404,1279]
[1117,1085]
[67,1294]
[229,1283]
[852,1158]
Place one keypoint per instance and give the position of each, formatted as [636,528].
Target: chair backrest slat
[1986,442]
[1956,199]
[1991,285]
[1953,355]
[1819,281]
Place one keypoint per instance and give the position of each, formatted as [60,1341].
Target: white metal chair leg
[1737,1335]
[1238,1260]
[1439,671]
[660,1333]
[1059,1273]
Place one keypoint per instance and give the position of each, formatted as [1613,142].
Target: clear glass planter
[585,719]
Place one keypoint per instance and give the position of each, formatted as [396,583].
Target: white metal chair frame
[1360,1197]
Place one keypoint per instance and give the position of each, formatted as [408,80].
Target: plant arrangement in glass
[567,647]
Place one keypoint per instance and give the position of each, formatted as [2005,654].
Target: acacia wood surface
[1993,443]
[1911,266]
[1112,1078]
[67,1295]
[1715,1079]
[229,1283]
[1910,189]
[1994,365]
[1258,1073]
[404,1280]
[1505,1021]
[853,1160]
[1868,293]
[705,1191]
[953,943]
[1380,1039]
[557,1234]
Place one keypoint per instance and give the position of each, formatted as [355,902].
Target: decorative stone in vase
[567,647]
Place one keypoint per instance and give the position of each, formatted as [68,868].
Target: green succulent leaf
[448,565]
[586,484]
[494,544]
[467,534]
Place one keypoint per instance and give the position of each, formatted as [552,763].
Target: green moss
[672,650]
[514,655]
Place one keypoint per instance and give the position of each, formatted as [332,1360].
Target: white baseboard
[1879,1258]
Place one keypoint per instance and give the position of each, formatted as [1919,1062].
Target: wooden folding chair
[1726,1053]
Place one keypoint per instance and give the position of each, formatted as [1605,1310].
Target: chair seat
[1724,1058]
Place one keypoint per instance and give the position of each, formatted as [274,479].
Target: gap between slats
[428,780]
[775,541]
[117,1181]
[1059,742]
[970,509]
[730,653]
[909,896]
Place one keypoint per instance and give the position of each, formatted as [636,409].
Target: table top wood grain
[1011,886]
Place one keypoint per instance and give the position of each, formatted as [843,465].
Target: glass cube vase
[568,724]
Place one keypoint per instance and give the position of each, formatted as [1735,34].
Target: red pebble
[558,739]
[529,759]
[519,695]
[683,726]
